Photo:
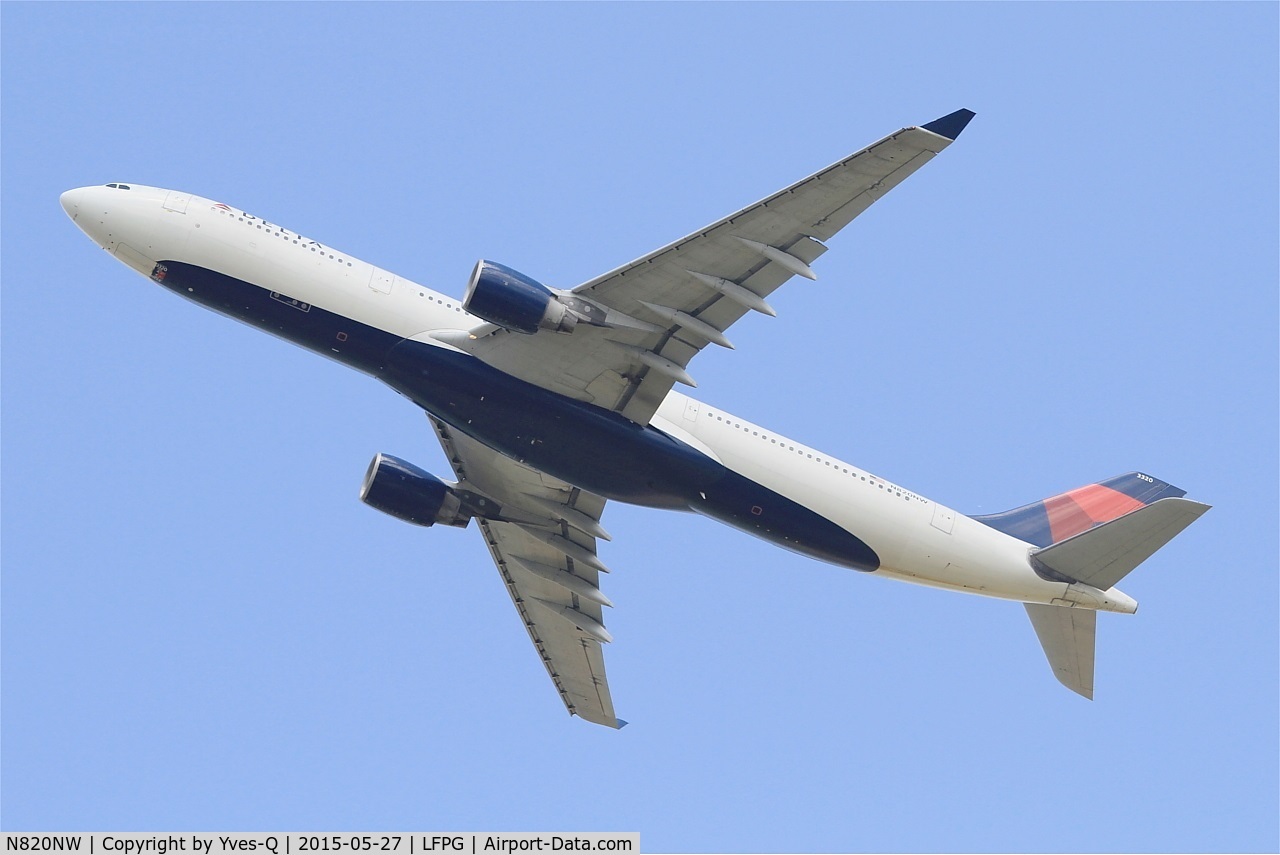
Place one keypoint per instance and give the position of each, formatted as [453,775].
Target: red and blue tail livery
[1055,519]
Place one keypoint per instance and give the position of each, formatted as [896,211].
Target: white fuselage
[916,539]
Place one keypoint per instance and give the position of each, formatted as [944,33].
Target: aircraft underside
[548,403]
[597,450]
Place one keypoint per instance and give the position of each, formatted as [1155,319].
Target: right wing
[542,535]
[647,319]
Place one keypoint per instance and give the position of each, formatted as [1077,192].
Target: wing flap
[573,659]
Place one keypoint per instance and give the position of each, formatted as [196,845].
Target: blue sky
[204,629]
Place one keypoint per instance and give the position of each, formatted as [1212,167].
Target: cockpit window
[120,186]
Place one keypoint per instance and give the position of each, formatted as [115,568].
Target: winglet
[950,125]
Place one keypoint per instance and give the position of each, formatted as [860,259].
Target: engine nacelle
[401,489]
[515,302]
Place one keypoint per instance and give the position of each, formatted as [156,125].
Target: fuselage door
[691,410]
[177,201]
[381,281]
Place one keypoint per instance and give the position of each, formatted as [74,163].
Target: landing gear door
[177,202]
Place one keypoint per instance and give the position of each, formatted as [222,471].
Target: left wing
[642,323]
[542,535]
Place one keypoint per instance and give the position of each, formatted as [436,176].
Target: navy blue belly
[579,443]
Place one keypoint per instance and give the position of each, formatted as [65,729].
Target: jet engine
[401,489]
[515,302]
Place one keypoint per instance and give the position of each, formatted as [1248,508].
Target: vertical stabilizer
[1057,518]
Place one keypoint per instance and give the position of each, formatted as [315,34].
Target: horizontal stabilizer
[1105,554]
[1067,636]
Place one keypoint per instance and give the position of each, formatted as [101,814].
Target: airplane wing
[646,320]
[639,326]
[542,535]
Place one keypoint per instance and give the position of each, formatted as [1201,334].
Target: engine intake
[406,492]
[515,302]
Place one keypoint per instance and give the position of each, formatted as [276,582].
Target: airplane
[550,403]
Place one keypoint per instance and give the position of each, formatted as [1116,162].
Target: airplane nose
[71,202]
